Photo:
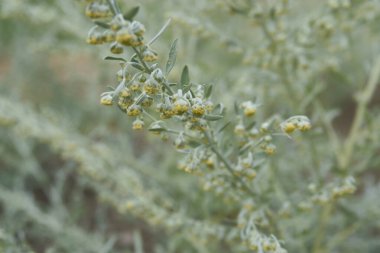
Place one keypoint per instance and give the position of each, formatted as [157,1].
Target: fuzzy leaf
[102,24]
[136,65]
[208,90]
[213,117]
[185,79]
[131,13]
[172,57]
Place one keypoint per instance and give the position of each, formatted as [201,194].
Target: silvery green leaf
[172,57]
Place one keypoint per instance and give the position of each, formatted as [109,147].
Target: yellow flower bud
[288,127]
[270,149]
[198,109]
[304,126]
[149,55]
[138,124]
[181,106]
[134,110]
[151,87]
[106,100]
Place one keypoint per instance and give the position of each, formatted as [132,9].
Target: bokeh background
[71,170]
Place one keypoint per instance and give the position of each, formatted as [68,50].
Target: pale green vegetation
[184,167]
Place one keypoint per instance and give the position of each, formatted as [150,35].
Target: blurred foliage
[74,177]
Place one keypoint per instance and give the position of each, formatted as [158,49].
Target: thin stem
[114,7]
[147,69]
[339,238]
[250,145]
[227,164]
[150,116]
[159,33]
[170,90]
[363,99]
[324,218]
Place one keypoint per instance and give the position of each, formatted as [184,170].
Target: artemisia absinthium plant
[183,112]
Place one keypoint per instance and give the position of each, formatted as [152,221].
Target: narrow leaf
[172,57]
[131,13]
[102,24]
[236,107]
[212,117]
[224,126]
[188,88]
[136,65]
[250,125]
[185,79]
[219,109]
[193,143]
[111,58]
[208,91]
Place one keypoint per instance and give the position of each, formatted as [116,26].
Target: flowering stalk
[145,93]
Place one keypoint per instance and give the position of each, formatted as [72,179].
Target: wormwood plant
[184,113]
[69,183]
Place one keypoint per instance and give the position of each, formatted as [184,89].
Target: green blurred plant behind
[74,176]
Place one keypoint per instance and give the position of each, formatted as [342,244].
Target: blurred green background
[69,168]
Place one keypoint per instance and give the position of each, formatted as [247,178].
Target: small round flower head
[119,75]
[210,162]
[253,246]
[209,106]
[109,36]
[288,127]
[151,87]
[117,23]
[264,127]
[135,86]
[239,129]
[200,125]
[158,75]
[95,10]
[249,108]
[270,149]
[254,133]
[337,192]
[198,109]
[137,28]
[250,174]
[268,138]
[95,38]
[269,245]
[134,110]
[304,126]
[149,55]
[180,142]
[167,112]
[247,162]
[136,41]
[124,102]
[106,99]
[137,124]
[116,48]
[124,93]
[124,37]
[180,106]
[147,101]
